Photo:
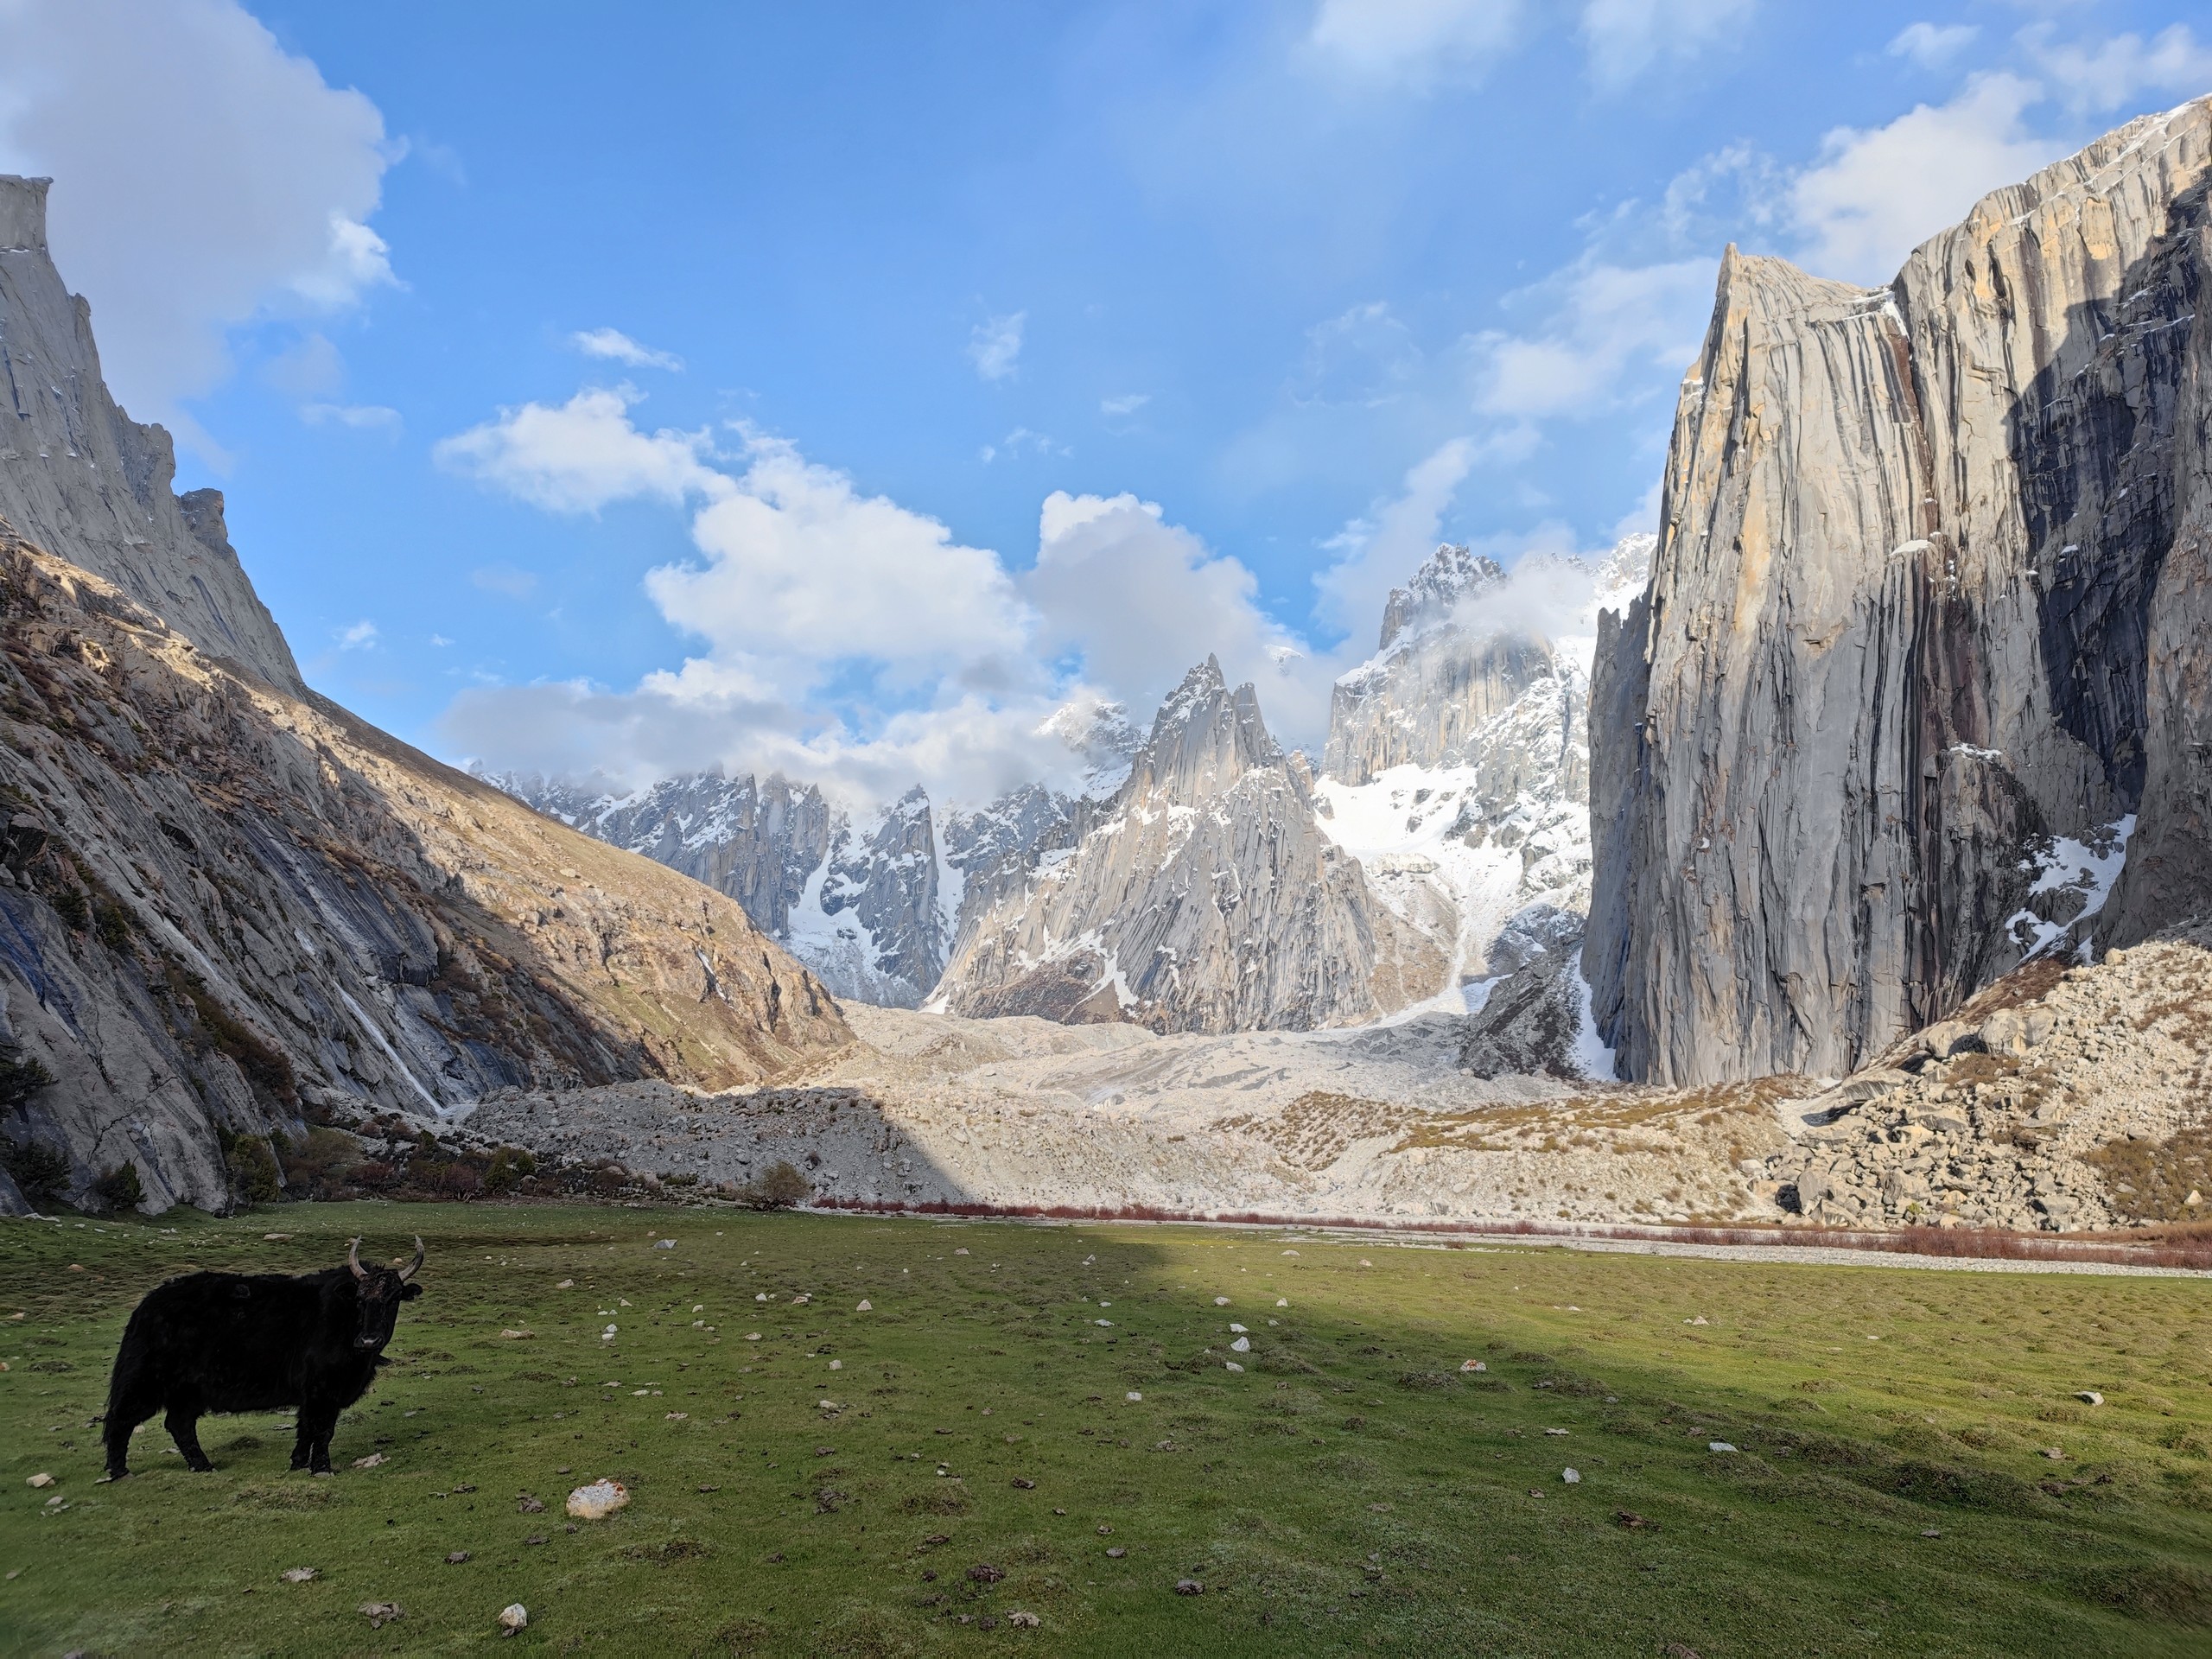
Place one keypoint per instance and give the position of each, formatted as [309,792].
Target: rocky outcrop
[1881,726]
[1203,897]
[2062,1100]
[79,476]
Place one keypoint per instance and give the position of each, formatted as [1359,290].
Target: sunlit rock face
[1920,665]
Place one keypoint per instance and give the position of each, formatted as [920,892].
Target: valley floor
[870,1436]
[2062,1099]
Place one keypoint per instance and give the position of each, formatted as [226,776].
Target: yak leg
[183,1425]
[303,1437]
[317,1420]
[124,1417]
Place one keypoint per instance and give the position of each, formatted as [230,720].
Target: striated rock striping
[1891,671]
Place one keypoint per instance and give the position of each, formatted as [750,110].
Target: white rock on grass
[1242,1345]
[1572,1477]
[1718,1445]
[1233,1366]
[864,1307]
[299,1574]
[40,1479]
[598,1500]
[513,1616]
[2090,1397]
[1473,1365]
[1236,1327]
[1133,1397]
[1221,1301]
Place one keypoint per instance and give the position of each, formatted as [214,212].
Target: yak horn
[414,1266]
[353,1260]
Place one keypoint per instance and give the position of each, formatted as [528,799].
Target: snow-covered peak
[1101,733]
[1435,591]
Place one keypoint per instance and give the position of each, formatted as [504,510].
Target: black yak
[255,1342]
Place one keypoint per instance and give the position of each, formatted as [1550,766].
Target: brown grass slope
[228,907]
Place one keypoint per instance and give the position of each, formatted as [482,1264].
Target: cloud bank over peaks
[804,588]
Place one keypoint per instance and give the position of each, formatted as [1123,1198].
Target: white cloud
[1124,406]
[1878,194]
[617,347]
[1416,42]
[1137,601]
[203,175]
[1932,45]
[1376,554]
[1626,37]
[2107,75]
[361,417]
[440,639]
[1021,438]
[361,636]
[802,571]
[995,345]
[965,752]
[582,456]
[1608,325]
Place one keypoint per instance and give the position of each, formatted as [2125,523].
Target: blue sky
[846,388]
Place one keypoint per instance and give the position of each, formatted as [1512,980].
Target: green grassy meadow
[1350,1490]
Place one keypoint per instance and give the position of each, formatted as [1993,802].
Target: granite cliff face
[227,906]
[1202,897]
[76,474]
[1921,664]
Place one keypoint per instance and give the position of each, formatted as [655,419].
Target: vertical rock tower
[1923,642]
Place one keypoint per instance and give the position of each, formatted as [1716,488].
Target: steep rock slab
[1204,898]
[227,906]
[78,477]
[1891,663]
[2169,872]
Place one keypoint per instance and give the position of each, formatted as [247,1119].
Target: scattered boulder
[598,1500]
[381,1613]
[513,1616]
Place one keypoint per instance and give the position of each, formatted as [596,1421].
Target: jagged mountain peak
[1435,591]
[1205,737]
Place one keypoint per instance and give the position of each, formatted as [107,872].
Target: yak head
[381,1290]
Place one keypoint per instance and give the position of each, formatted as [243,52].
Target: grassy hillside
[1352,1488]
